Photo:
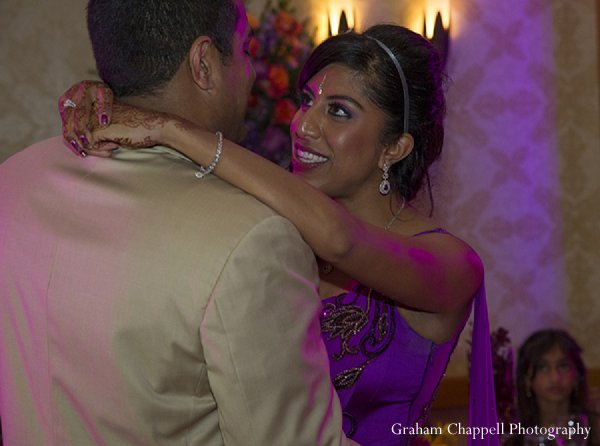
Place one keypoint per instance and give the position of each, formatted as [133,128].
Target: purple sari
[386,374]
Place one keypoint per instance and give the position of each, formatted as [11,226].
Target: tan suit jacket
[142,306]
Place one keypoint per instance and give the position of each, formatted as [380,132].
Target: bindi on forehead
[337,77]
[322,85]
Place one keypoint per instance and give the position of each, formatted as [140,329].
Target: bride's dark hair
[381,83]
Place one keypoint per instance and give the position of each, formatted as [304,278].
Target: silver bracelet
[206,170]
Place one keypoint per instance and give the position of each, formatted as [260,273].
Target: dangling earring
[384,186]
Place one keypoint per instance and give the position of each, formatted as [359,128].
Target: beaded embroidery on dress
[384,372]
[344,319]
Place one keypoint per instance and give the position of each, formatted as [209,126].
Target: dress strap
[431,231]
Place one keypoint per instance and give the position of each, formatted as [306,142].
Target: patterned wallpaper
[518,173]
[518,178]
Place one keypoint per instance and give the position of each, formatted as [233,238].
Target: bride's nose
[308,125]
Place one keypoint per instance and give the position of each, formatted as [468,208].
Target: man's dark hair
[140,44]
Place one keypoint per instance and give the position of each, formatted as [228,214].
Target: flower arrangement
[503,364]
[280,47]
[503,367]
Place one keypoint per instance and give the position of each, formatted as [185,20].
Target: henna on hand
[90,104]
[96,124]
[136,127]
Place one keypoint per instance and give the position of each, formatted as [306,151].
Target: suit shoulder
[31,153]
[229,204]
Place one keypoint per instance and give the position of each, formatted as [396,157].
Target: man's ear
[201,62]
[396,152]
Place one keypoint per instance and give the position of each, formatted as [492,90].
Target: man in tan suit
[140,305]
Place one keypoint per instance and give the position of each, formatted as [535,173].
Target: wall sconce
[341,18]
[436,26]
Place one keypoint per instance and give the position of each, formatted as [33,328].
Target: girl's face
[335,135]
[555,377]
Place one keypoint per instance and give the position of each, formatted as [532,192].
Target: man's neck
[155,103]
[175,101]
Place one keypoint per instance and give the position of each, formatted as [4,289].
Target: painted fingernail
[83,154]
[84,141]
[103,119]
[75,147]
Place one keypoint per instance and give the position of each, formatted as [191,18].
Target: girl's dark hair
[529,358]
[381,82]
[140,44]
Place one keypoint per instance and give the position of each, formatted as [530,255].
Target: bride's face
[335,134]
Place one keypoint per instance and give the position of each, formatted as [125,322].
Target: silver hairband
[385,48]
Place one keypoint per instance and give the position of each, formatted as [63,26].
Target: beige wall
[518,177]
[44,48]
[578,139]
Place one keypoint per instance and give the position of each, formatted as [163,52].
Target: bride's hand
[133,127]
[84,107]
[93,124]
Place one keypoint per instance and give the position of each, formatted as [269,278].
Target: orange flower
[253,21]
[286,24]
[254,47]
[295,49]
[284,111]
[279,80]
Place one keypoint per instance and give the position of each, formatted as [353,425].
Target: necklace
[326,267]
[396,214]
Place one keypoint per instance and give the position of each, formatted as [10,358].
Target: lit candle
[432,8]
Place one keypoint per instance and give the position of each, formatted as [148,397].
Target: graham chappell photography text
[574,430]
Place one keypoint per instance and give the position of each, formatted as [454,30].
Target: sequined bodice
[383,371]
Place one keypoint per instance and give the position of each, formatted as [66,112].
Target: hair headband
[385,48]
